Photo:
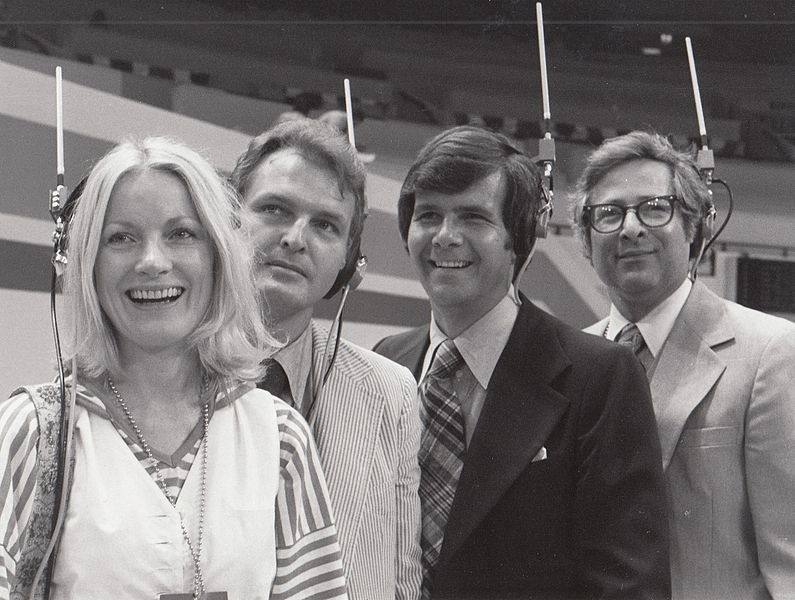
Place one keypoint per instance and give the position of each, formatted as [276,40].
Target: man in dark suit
[541,473]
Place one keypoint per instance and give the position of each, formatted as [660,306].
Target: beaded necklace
[195,551]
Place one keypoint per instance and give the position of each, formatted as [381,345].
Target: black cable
[728,214]
[63,426]
[336,346]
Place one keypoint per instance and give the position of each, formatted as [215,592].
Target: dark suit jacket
[589,521]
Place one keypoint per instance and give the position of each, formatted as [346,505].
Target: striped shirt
[308,563]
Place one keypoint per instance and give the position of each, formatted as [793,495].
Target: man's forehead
[288,166]
[489,190]
[636,178]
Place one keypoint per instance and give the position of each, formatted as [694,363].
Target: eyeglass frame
[670,198]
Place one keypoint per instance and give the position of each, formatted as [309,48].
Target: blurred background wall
[215,73]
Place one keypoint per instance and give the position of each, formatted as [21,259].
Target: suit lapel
[688,367]
[599,328]
[412,350]
[345,423]
[519,413]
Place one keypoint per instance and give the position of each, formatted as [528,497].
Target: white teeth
[164,294]
[451,264]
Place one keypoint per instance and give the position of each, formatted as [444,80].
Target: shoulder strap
[42,520]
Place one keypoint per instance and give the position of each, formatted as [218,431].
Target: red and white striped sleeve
[19,435]
[308,561]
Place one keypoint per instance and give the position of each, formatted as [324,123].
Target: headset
[544,213]
[545,160]
[61,236]
[352,273]
[705,166]
[704,234]
[538,225]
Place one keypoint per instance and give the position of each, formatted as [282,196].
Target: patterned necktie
[276,382]
[631,337]
[441,454]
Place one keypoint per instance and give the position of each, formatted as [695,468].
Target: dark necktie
[276,382]
[631,337]
[441,454]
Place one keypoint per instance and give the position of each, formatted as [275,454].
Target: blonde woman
[187,481]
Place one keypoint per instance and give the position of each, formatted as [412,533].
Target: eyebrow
[169,223]
[331,215]
[264,197]
[456,208]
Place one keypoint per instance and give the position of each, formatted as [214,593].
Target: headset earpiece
[351,274]
[709,223]
[358,272]
[543,215]
[704,232]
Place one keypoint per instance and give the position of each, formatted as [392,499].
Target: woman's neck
[170,373]
[163,392]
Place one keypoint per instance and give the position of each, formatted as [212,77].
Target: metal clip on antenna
[57,200]
[705,161]
[546,158]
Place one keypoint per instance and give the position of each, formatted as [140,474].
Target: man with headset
[722,376]
[540,462]
[302,189]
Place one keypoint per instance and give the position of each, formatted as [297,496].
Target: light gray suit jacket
[367,429]
[724,398]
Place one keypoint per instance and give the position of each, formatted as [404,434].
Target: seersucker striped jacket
[367,429]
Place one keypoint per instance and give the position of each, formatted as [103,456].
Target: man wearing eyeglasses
[722,376]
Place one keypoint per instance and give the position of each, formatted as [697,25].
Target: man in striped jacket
[302,189]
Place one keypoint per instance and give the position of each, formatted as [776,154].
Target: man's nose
[294,236]
[448,234]
[632,227]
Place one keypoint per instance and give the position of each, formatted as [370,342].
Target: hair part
[696,200]
[322,145]
[231,340]
[455,159]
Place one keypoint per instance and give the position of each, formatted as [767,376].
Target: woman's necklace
[195,552]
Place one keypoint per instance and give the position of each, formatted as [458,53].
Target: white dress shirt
[481,346]
[655,326]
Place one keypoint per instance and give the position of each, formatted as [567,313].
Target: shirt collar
[482,343]
[656,325]
[296,360]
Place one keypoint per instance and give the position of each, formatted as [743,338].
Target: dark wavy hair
[457,158]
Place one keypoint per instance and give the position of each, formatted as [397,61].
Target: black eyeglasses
[652,212]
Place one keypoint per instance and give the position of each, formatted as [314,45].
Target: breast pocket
[709,437]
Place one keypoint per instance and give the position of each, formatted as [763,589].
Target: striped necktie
[631,337]
[441,454]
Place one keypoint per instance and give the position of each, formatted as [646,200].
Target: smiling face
[462,251]
[300,223]
[154,267]
[641,266]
